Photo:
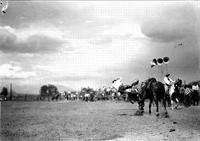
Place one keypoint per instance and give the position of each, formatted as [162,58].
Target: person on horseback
[168,82]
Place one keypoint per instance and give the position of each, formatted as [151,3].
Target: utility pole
[10,91]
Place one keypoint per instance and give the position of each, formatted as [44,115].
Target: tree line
[50,91]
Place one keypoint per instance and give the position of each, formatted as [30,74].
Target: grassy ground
[82,121]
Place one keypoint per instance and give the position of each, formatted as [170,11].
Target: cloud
[19,41]
[174,22]
[107,40]
[100,41]
[10,71]
[60,13]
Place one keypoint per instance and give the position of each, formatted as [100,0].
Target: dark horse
[56,96]
[154,91]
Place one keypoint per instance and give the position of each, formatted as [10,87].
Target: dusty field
[81,121]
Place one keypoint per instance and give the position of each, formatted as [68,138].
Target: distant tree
[4,91]
[49,91]
[53,92]
[44,91]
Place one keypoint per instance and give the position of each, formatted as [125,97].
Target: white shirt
[195,87]
[168,81]
[117,84]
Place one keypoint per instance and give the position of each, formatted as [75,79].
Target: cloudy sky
[77,44]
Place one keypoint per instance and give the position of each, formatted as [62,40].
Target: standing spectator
[195,94]
[187,99]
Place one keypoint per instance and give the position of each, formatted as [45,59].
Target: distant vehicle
[3,98]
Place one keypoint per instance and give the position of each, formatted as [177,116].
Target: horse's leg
[177,103]
[141,106]
[172,101]
[157,107]
[189,100]
[172,104]
[164,106]
[150,102]
[168,100]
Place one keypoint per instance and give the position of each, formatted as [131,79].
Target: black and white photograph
[99,70]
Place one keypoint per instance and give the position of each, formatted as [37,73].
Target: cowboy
[117,83]
[168,83]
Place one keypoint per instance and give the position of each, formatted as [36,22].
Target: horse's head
[143,85]
[133,96]
[142,89]
[178,83]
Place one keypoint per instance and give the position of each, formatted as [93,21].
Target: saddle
[135,83]
[149,82]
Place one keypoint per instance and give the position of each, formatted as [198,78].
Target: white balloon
[153,63]
[166,62]
[4,6]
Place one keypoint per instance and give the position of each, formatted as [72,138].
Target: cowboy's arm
[172,81]
[166,81]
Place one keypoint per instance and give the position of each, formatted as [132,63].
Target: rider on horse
[168,83]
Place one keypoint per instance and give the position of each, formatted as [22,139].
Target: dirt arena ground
[82,121]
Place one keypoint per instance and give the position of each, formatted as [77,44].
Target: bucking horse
[154,91]
[150,89]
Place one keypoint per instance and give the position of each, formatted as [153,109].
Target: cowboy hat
[167,75]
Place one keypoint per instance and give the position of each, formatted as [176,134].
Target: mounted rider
[168,83]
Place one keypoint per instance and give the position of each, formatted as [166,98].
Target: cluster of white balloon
[4,6]
[159,62]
